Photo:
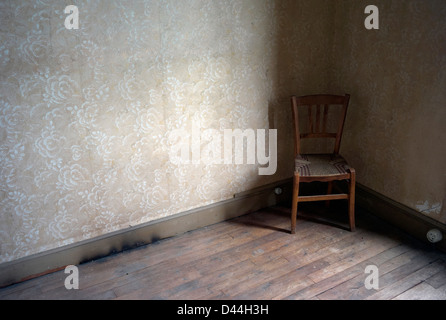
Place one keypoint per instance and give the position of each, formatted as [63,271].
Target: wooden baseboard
[399,215]
[88,250]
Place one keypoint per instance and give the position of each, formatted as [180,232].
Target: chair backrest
[319,116]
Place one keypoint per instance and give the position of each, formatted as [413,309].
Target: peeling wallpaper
[85,115]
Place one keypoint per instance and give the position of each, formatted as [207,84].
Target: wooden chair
[321,121]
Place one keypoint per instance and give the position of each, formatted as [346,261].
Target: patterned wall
[85,114]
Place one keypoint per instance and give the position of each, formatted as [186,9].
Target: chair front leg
[295,202]
[351,199]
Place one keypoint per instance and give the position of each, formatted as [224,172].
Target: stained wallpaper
[86,114]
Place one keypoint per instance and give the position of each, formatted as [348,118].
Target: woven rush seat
[314,165]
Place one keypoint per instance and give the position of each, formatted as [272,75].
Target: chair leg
[351,200]
[295,201]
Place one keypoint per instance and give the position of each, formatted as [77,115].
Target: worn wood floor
[255,257]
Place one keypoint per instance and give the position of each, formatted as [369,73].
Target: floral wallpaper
[85,114]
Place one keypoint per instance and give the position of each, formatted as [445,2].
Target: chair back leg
[295,202]
[351,200]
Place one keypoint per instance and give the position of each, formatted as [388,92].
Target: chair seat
[315,165]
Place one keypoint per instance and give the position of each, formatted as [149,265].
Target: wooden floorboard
[255,257]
